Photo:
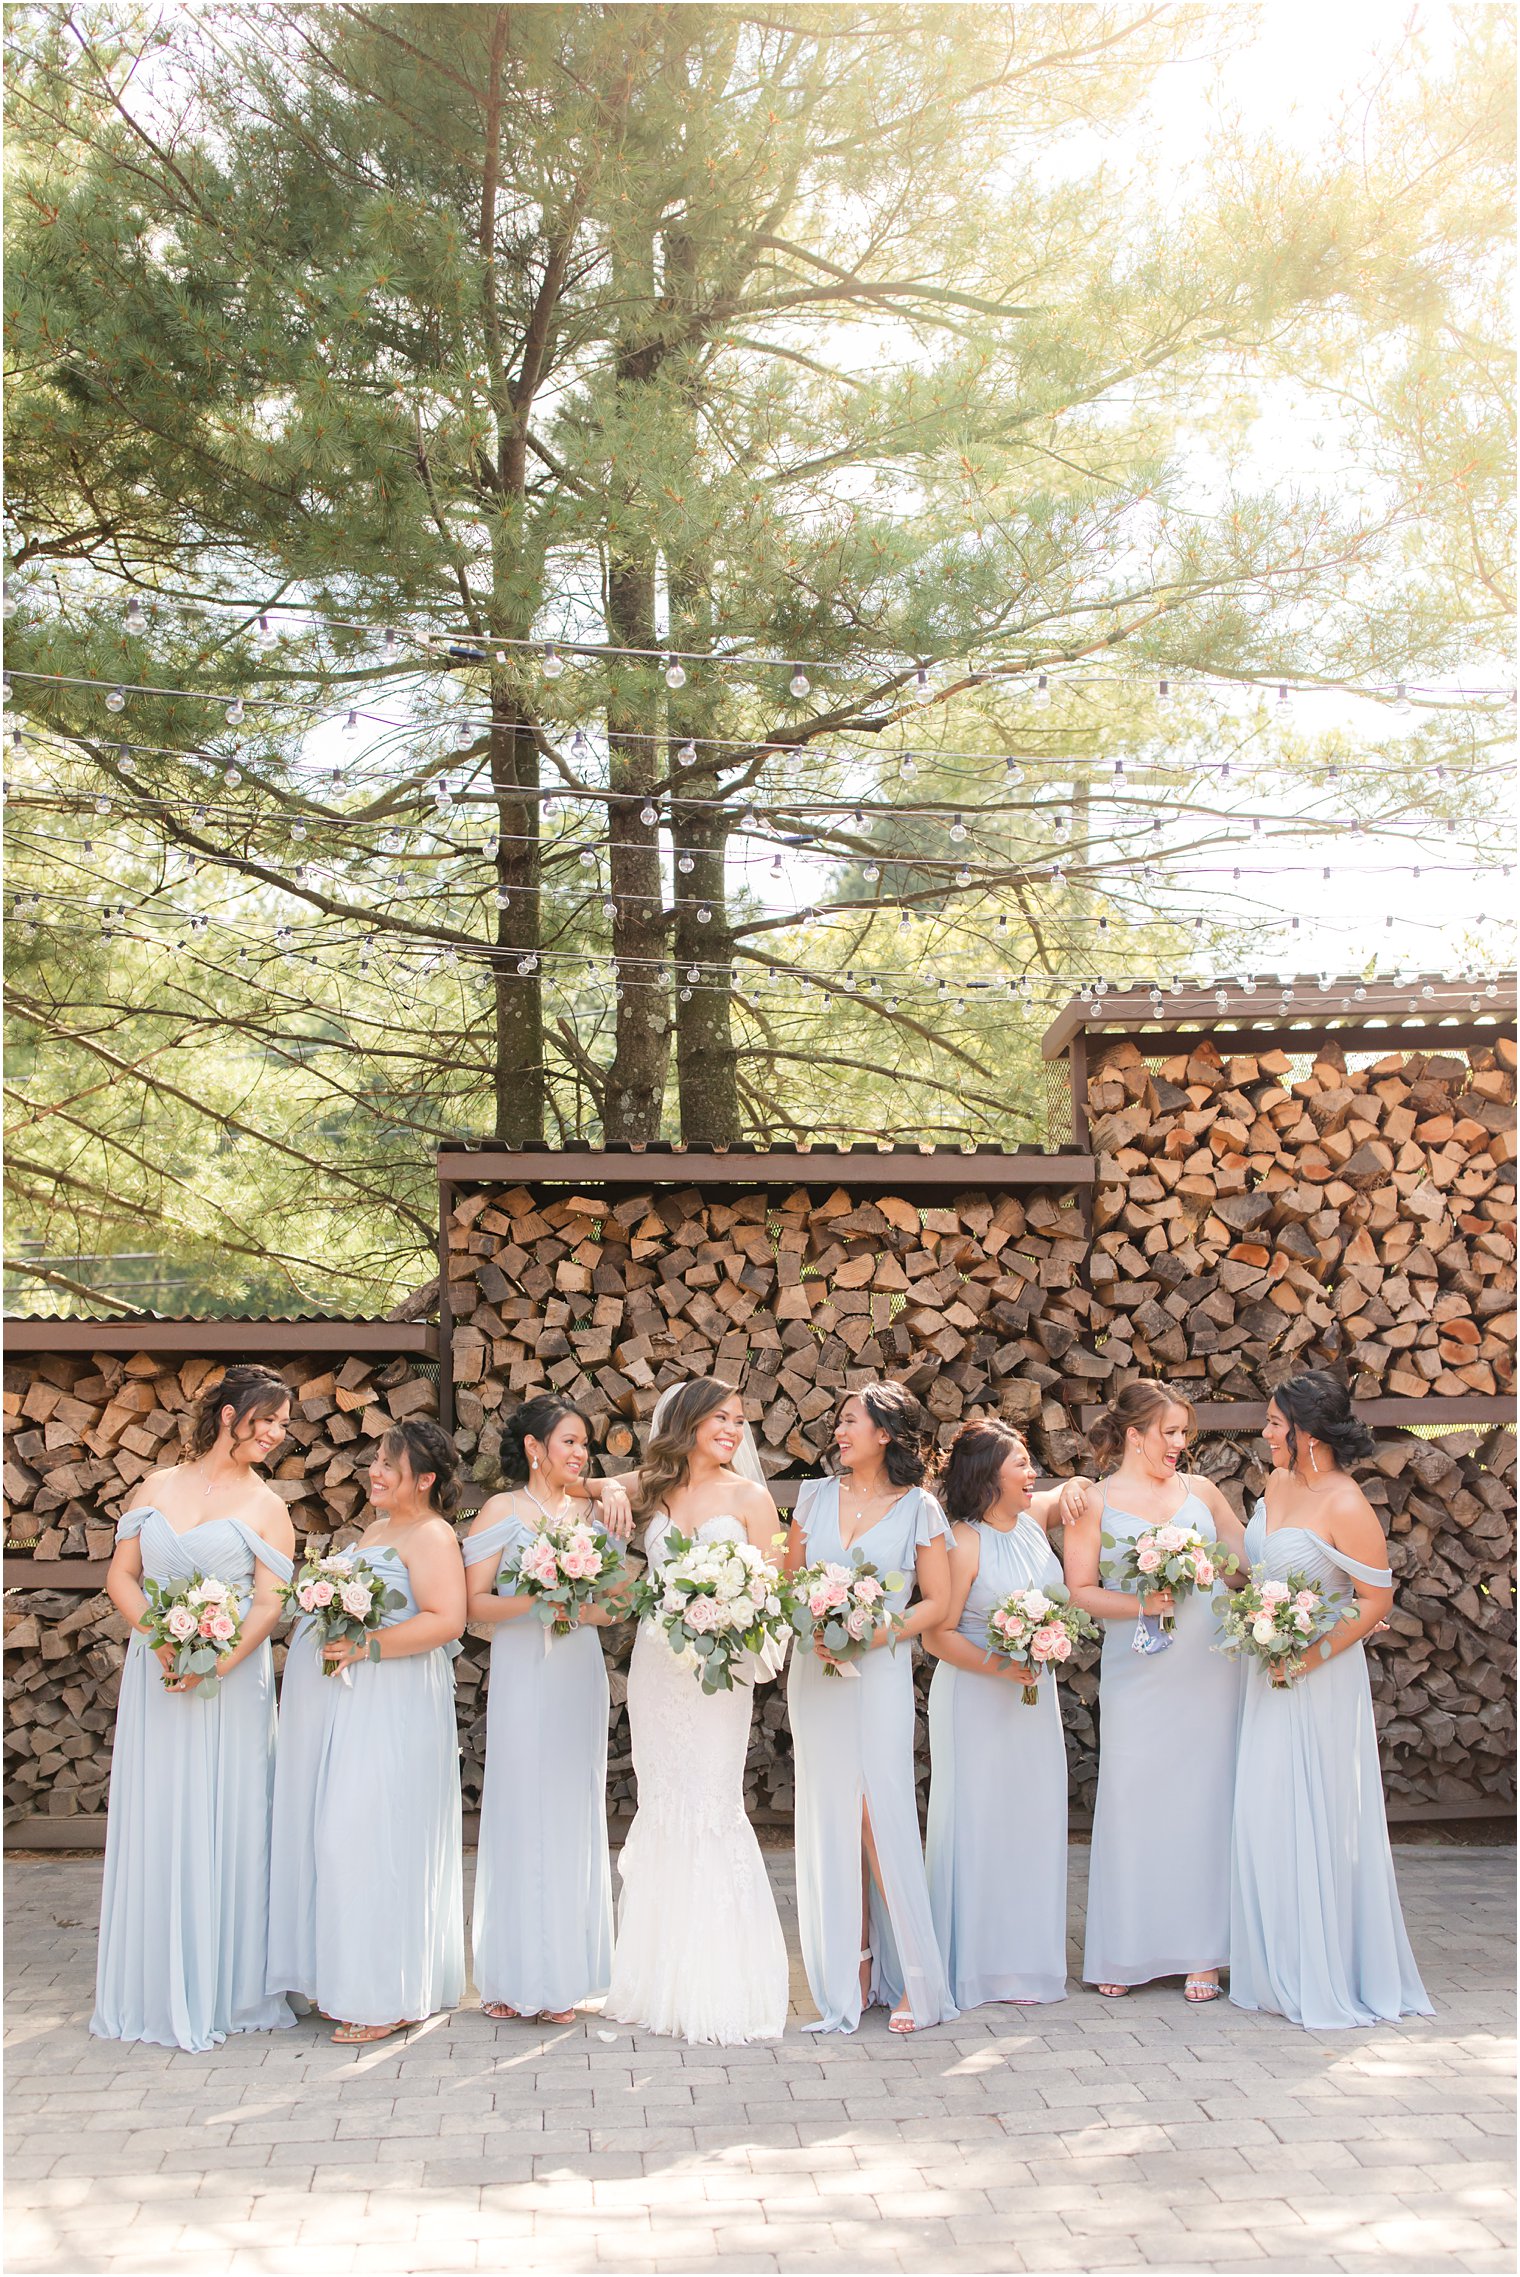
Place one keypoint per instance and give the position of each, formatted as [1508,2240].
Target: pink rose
[838,1593]
[1305,1601]
[579,1565]
[819,1604]
[1203,1573]
[867,1590]
[1148,1560]
[1042,1644]
[1170,1538]
[355,1600]
[703,1616]
[180,1624]
[858,1622]
[1274,1594]
[322,1594]
[223,1628]
[837,1573]
[306,1598]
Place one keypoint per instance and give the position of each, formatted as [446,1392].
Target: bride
[699,1950]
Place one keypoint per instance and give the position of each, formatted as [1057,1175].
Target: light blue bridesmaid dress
[542,1925]
[853,1740]
[184,1908]
[366,1905]
[997,1800]
[1316,1932]
[1158,1902]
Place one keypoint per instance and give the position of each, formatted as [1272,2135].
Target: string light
[675,672]
[235,712]
[799,683]
[116,701]
[551,663]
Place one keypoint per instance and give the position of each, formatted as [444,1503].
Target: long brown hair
[667,1458]
[1135,1408]
[253,1394]
[893,1409]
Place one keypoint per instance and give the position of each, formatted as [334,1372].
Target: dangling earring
[1313,1458]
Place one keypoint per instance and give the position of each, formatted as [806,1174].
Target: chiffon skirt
[366,1887]
[853,1737]
[997,1837]
[184,1904]
[1316,1929]
[543,1883]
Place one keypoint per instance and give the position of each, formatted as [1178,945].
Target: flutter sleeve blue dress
[543,1877]
[184,1907]
[997,1800]
[366,1909]
[1158,1900]
[1316,1929]
[853,1738]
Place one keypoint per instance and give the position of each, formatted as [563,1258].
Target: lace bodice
[720,1529]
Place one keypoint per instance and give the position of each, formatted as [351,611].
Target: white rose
[1263,1628]
[743,1612]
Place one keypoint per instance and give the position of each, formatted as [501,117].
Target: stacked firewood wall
[1249,1222]
[80,1432]
[979,1305]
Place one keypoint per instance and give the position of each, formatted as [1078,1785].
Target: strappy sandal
[902,2021]
[556,2016]
[1199,1991]
[1113,1991]
[364,2035]
[499,2012]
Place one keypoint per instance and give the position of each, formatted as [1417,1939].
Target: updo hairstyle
[968,1481]
[893,1409]
[535,1419]
[668,1455]
[427,1447]
[254,1394]
[1135,1408]
[1319,1405]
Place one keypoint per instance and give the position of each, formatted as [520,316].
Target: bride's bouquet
[345,1599]
[841,1608]
[199,1619]
[1278,1622]
[713,1602]
[565,1566]
[1172,1557]
[1037,1628]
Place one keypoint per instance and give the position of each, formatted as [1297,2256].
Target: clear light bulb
[351,724]
[963,876]
[587,857]
[799,683]
[909,767]
[704,916]
[136,615]
[551,664]
[1401,704]
[687,755]
[502,898]
[265,636]
[871,873]
[958,830]
[235,712]
[1041,697]
[464,736]
[579,747]
[922,692]
[389,644]
[686,865]
[675,672]
[1163,691]
[116,701]
[1013,774]
[649,816]
[609,908]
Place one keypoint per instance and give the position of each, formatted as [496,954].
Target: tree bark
[707,1073]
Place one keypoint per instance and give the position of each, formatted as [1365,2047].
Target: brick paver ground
[1088,2136]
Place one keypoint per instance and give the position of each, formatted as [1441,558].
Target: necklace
[552,1516]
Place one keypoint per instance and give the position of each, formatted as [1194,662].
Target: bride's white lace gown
[699,1950]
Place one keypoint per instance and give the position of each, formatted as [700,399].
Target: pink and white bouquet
[565,1566]
[1036,1628]
[1172,1557]
[841,1608]
[346,1601]
[1278,1622]
[715,1603]
[200,1620]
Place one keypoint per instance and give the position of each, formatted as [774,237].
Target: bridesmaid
[997,1799]
[1316,1931]
[184,1912]
[543,1879]
[367,1899]
[866,1925]
[1158,1902]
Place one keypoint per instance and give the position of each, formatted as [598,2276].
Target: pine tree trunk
[706,1064]
[517,1060]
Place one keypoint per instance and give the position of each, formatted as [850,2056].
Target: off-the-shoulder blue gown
[366,1906]
[542,1926]
[1316,1930]
[853,1738]
[997,1799]
[184,1907]
[1158,1901]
